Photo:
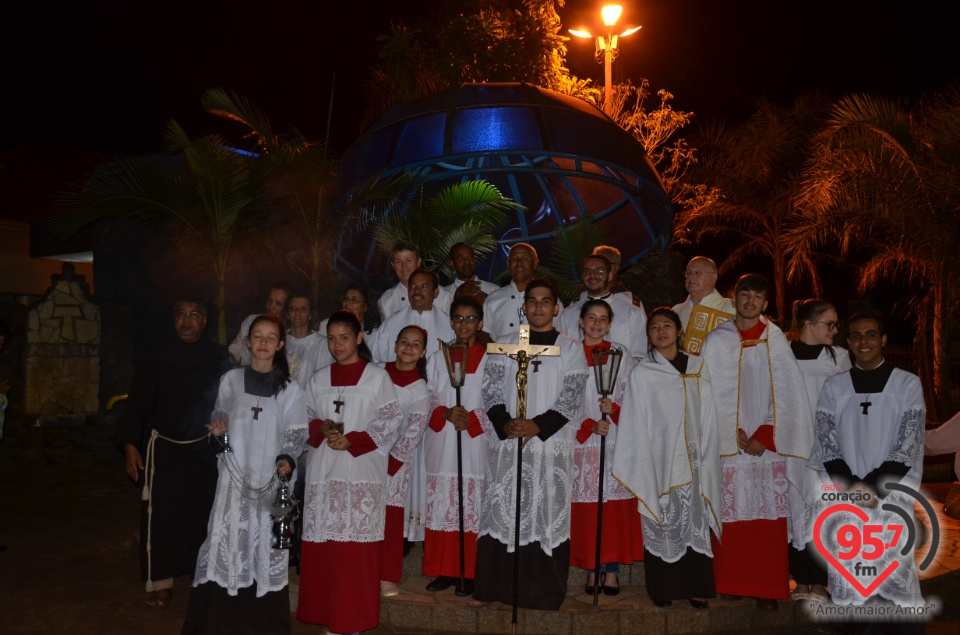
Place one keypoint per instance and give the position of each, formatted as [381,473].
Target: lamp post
[607,49]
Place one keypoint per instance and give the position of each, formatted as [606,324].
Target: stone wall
[63,349]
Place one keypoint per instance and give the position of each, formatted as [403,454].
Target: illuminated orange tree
[884,180]
[755,173]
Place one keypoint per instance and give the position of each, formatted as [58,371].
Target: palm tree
[467,212]
[755,170]
[209,206]
[885,180]
[298,180]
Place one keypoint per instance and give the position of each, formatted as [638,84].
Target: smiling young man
[404,260]
[765,437]
[870,429]
[422,311]
[629,325]
[555,389]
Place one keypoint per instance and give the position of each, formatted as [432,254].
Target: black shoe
[663,603]
[467,587]
[440,583]
[767,604]
[609,590]
[407,547]
[698,604]
[588,588]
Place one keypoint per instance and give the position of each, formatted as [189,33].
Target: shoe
[818,594]
[802,592]
[698,604]
[467,588]
[441,583]
[160,599]
[767,604]
[588,588]
[663,603]
[609,590]
[389,589]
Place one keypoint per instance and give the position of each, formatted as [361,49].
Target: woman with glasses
[815,324]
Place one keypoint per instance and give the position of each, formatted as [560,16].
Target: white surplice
[346,496]
[440,451]
[407,488]
[556,383]
[892,430]
[503,312]
[586,455]
[237,551]
[669,455]
[755,487]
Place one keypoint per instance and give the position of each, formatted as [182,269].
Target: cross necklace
[338,402]
[256,410]
[865,404]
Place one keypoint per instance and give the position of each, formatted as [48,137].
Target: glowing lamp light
[607,48]
[611,13]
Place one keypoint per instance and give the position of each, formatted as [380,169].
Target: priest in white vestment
[422,312]
[700,280]
[629,325]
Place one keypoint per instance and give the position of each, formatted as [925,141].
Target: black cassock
[174,394]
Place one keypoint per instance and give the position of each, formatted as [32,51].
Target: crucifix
[522,352]
[256,412]
[866,405]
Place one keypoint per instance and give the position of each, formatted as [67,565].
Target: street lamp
[607,49]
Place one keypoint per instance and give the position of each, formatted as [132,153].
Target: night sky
[104,75]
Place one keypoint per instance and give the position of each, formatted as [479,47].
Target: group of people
[716,439]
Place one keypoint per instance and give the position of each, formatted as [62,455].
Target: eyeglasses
[831,326]
[599,271]
[188,315]
[460,319]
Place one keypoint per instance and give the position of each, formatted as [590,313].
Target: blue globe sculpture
[558,156]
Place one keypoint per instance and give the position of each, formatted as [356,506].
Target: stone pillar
[63,349]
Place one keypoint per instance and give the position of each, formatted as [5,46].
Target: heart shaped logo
[832,559]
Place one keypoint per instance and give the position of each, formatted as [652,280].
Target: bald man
[700,280]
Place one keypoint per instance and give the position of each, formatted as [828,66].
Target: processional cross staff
[522,352]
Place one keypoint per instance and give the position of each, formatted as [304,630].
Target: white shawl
[664,412]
